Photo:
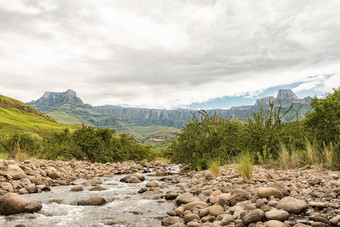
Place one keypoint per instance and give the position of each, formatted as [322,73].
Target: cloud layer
[166,54]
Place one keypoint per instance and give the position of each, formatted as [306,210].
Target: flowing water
[124,207]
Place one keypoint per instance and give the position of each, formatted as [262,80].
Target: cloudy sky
[169,53]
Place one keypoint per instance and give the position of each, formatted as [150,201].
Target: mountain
[17,116]
[177,118]
[66,107]
[153,125]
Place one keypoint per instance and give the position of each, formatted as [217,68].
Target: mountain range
[153,124]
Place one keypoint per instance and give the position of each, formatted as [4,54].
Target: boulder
[15,172]
[188,206]
[133,179]
[171,195]
[92,201]
[235,197]
[292,205]
[170,221]
[12,203]
[92,182]
[190,217]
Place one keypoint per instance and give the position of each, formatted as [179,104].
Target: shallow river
[124,207]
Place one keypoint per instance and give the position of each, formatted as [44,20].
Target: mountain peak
[58,98]
[286,95]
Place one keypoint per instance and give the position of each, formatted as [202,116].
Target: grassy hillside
[18,116]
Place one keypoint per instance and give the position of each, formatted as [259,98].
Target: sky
[170,53]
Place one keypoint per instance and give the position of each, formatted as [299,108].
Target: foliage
[244,165]
[96,145]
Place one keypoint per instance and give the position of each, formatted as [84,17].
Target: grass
[17,116]
[284,157]
[244,165]
[214,166]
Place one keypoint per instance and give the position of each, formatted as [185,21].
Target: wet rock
[161,173]
[133,179]
[97,188]
[152,184]
[92,201]
[171,195]
[274,223]
[77,188]
[140,176]
[292,205]
[142,190]
[267,192]
[185,198]
[12,203]
[253,217]
[92,182]
[280,215]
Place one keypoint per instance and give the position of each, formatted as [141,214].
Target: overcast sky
[168,53]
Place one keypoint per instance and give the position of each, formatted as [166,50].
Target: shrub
[244,165]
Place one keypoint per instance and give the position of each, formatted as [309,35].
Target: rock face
[12,203]
[292,205]
[58,98]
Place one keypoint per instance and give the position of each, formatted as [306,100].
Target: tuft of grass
[214,166]
[266,157]
[329,155]
[284,157]
[295,158]
[312,153]
[244,165]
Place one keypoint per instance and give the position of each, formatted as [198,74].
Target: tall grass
[312,153]
[284,157]
[329,155]
[214,166]
[244,165]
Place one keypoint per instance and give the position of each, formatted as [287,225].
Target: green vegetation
[214,166]
[89,143]
[274,142]
[244,165]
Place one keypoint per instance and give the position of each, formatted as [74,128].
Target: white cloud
[167,53]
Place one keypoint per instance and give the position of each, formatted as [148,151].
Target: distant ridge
[68,108]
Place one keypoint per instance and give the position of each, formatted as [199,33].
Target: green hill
[17,116]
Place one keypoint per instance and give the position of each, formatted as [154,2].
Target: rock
[31,188]
[274,223]
[92,201]
[171,195]
[227,219]
[335,220]
[92,182]
[292,205]
[188,206]
[6,186]
[16,172]
[319,224]
[280,215]
[185,198]
[53,174]
[77,188]
[152,184]
[259,203]
[12,203]
[142,190]
[133,179]
[161,173]
[215,210]
[253,217]
[170,221]
[97,188]
[281,187]
[235,197]
[140,176]
[23,191]
[267,192]
[190,217]
[208,175]
[193,224]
